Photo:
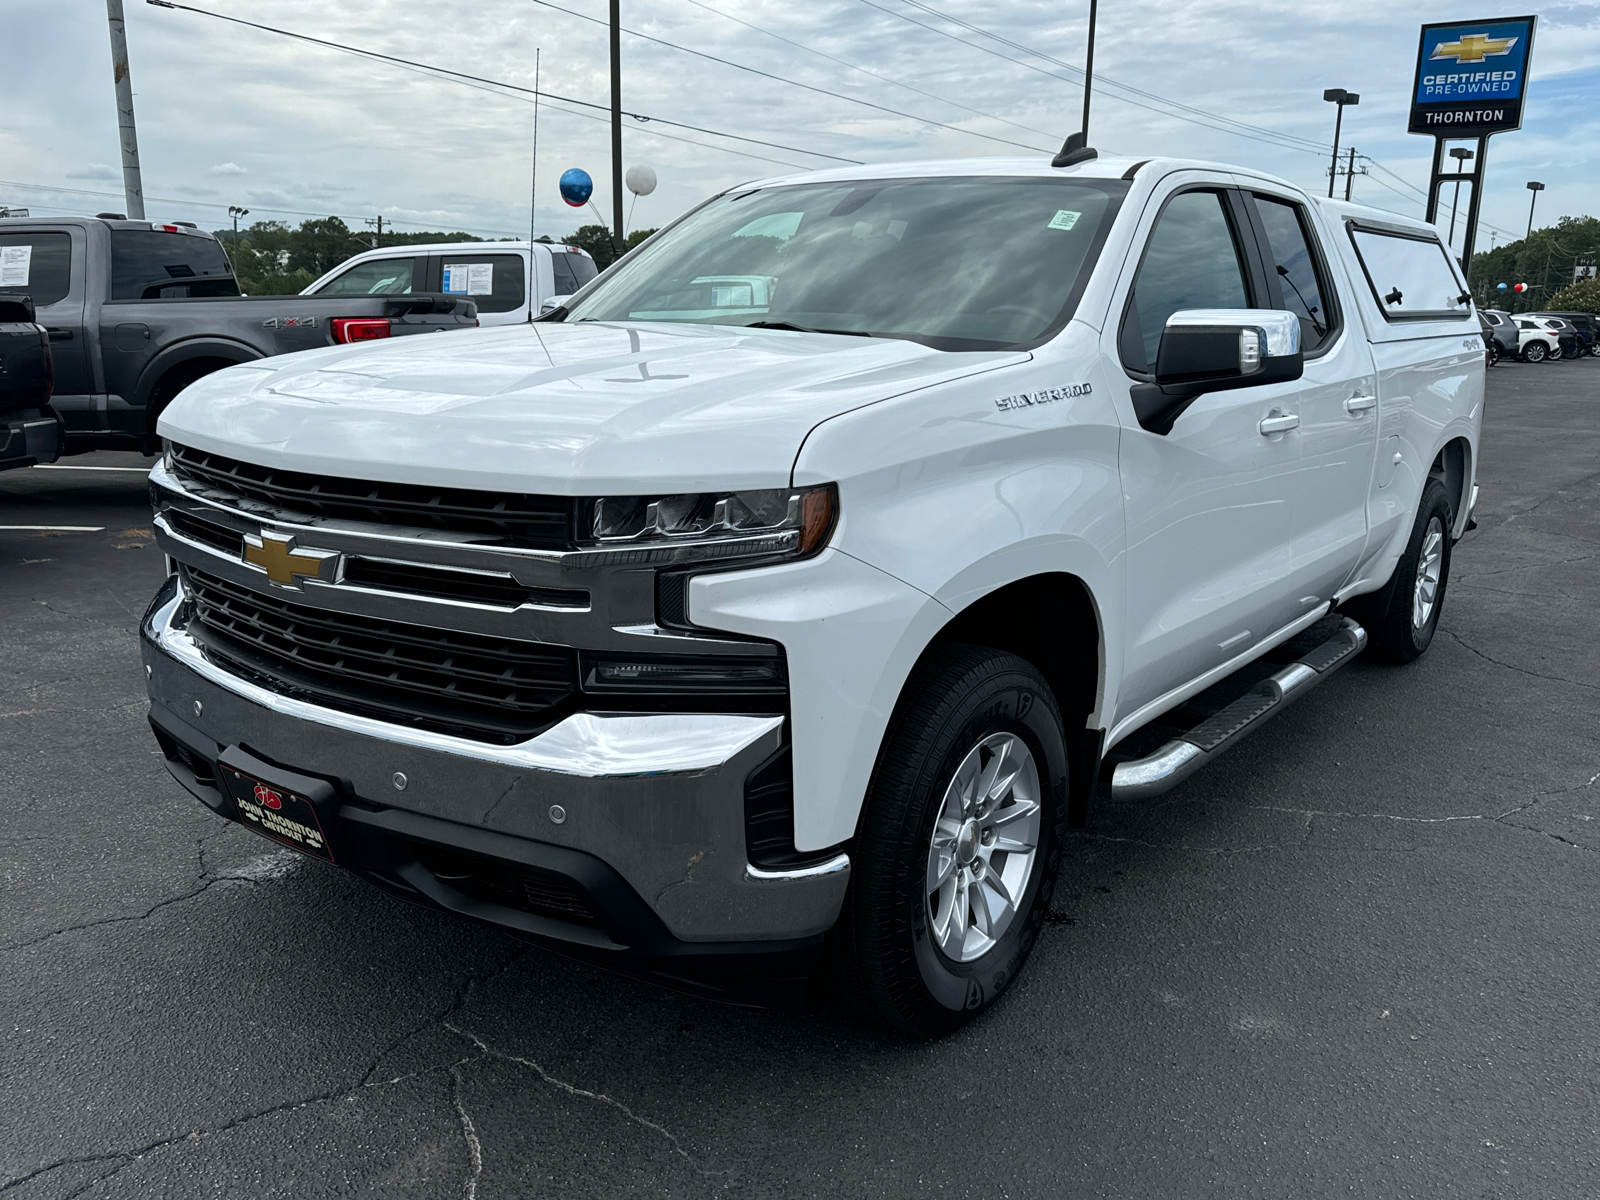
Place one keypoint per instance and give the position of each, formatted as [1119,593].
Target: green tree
[1583,296]
[596,239]
[1544,261]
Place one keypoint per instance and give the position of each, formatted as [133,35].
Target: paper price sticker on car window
[1064,219]
[15,264]
[469,279]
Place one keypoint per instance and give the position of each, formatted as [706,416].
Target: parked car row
[1539,337]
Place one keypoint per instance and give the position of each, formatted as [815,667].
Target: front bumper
[651,841]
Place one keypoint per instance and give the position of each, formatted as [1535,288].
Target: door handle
[59,335]
[1279,423]
[1358,404]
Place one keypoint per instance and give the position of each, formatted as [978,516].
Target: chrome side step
[1169,766]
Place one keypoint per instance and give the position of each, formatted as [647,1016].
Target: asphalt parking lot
[1360,956]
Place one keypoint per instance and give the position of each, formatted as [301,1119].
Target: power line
[494,82]
[293,212]
[894,112]
[868,71]
[1288,141]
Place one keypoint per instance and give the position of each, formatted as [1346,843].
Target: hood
[579,409]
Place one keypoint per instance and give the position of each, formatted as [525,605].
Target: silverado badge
[275,554]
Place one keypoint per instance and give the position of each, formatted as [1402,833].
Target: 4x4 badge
[284,565]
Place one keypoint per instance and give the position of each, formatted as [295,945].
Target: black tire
[1535,352]
[1595,349]
[1494,354]
[1394,635]
[1573,351]
[959,700]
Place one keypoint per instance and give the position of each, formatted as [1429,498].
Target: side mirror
[1215,349]
[553,303]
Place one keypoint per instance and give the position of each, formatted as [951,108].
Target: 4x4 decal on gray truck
[1042,396]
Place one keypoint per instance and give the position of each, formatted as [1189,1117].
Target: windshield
[969,263]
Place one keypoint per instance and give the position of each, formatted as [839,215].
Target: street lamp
[236,213]
[1340,97]
[1461,154]
[1535,188]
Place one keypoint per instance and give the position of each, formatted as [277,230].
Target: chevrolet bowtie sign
[1471,77]
[275,554]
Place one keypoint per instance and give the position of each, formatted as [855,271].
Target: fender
[233,350]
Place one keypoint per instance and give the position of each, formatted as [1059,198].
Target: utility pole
[378,237]
[1350,174]
[533,190]
[132,185]
[617,236]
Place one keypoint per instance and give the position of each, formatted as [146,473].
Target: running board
[1169,766]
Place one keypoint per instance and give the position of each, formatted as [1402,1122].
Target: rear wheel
[1535,352]
[960,842]
[1404,631]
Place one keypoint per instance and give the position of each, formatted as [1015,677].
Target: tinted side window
[1303,294]
[37,265]
[1192,261]
[572,271]
[379,277]
[1410,276]
[495,281]
[151,264]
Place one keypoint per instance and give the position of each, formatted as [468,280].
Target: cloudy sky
[233,115]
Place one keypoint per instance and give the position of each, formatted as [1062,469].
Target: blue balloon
[576,187]
[1500,287]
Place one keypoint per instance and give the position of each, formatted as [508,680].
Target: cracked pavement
[1360,955]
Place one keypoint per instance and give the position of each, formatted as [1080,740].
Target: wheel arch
[184,357]
[1453,467]
[1052,621]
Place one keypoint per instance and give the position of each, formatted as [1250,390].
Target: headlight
[705,527]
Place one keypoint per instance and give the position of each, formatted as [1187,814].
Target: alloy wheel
[984,846]
[1430,562]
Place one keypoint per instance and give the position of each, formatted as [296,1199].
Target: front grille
[471,685]
[509,518]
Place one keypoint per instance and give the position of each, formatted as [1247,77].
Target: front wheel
[960,840]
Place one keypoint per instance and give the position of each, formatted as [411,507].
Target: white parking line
[59,467]
[60,528]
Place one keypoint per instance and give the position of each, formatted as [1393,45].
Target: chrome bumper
[658,798]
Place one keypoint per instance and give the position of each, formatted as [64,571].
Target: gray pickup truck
[138,310]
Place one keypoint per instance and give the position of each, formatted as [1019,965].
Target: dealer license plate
[277,812]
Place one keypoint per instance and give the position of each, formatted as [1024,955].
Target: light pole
[1535,188]
[618,238]
[1461,154]
[1340,97]
[236,213]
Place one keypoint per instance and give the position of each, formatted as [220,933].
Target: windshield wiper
[790,325]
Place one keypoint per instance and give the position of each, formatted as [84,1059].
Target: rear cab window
[36,263]
[1411,274]
[152,264]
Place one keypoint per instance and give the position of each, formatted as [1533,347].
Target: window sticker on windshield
[15,264]
[1064,219]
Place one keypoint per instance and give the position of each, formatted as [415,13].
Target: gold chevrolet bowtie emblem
[275,554]
[1474,48]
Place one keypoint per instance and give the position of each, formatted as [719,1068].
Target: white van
[494,274]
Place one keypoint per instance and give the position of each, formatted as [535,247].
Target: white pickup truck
[781,598]
[508,281]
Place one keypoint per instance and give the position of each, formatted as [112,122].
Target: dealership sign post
[1471,81]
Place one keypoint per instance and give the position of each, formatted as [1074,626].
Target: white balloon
[641,180]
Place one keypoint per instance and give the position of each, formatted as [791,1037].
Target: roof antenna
[1076,148]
